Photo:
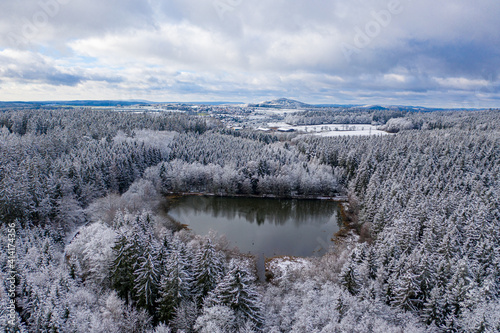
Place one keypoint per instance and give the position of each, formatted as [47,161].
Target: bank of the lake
[339,198]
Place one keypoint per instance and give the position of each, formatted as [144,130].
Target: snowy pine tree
[208,269]
[146,281]
[237,291]
[349,277]
[126,254]
[175,285]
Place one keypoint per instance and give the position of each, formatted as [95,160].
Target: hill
[281,103]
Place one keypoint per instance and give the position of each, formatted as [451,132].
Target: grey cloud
[57,21]
[34,69]
[295,44]
[42,75]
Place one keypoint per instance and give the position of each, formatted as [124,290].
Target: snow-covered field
[369,131]
[328,130]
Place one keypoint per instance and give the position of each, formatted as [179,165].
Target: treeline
[465,120]
[78,123]
[343,116]
[226,165]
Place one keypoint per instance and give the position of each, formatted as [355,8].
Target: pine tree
[175,285]
[208,269]
[147,280]
[237,291]
[434,307]
[458,287]
[126,253]
[349,277]
[406,291]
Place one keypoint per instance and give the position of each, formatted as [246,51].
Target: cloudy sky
[432,53]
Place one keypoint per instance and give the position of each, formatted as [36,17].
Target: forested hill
[425,201]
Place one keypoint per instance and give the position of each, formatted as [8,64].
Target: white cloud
[461,83]
[179,45]
[395,78]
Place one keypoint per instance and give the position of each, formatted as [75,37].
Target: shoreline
[263,196]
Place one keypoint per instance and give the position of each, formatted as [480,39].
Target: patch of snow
[346,133]
[282,266]
[329,130]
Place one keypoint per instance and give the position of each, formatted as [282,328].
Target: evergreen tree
[406,291]
[349,277]
[175,285]
[147,280]
[237,291]
[208,269]
[126,254]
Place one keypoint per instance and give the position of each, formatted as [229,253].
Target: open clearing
[329,130]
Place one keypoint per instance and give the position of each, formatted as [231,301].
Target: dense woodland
[94,253]
[353,115]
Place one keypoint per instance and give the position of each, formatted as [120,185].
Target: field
[329,130]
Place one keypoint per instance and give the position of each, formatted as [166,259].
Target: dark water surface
[260,226]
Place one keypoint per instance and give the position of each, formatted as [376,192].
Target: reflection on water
[261,226]
[257,210]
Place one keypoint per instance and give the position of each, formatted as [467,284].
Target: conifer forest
[87,245]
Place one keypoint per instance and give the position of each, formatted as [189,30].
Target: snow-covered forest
[94,253]
[340,115]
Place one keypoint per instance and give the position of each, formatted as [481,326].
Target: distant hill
[72,103]
[99,103]
[408,108]
[282,103]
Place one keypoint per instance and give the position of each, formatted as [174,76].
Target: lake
[261,226]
